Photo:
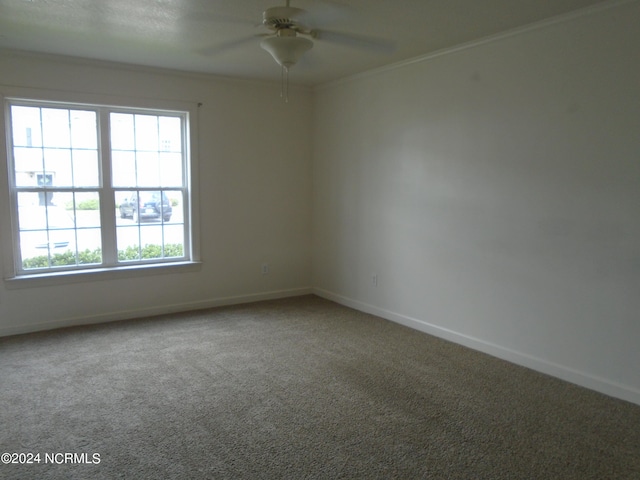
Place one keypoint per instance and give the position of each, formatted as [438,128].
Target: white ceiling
[192,35]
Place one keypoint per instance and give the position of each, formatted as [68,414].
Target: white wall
[495,192]
[254,179]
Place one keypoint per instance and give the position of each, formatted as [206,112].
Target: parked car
[146,205]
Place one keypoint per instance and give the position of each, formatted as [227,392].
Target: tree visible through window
[81,203]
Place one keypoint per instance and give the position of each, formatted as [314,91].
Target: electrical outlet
[265,268]
[374,279]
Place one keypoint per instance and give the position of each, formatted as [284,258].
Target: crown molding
[539,25]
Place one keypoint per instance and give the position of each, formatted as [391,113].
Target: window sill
[99,274]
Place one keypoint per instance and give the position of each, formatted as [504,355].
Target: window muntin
[61,205]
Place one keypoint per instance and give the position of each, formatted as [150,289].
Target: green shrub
[129,253]
[90,256]
[150,251]
[173,250]
[93,204]
[57,260]
[41,261]
[64,259]
[87,257]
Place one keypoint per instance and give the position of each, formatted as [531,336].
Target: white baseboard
[155,310]
[562,372]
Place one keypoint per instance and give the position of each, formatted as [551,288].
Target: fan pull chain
[284,85]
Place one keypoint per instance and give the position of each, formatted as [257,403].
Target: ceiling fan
[291,36]
[289,42]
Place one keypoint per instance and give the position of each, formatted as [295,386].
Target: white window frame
[14,274]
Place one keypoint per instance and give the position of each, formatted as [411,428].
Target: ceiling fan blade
[326,12]
[230,45]
[363,42]
[211,17]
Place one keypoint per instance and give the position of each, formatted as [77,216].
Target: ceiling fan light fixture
[286,50]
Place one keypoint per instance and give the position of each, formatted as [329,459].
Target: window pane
[123,169]
[151,241]
[59,218]
[170,134]
[122,132]
[62,201]
[84,129]
[89,246]
[87,209]
[122,212]
[55,128]
[31,255]
[175,202]
[87,218]
[128,238]
[148,171]
[85,168]
[30,216]
[171,170]
[174,240]
[28,162]
[57,164]
[25,123]
[146,132]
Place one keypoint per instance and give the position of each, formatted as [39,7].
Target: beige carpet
[292,389]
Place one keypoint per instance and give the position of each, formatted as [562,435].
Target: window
[97,186]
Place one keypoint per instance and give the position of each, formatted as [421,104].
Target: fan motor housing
[276,18]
